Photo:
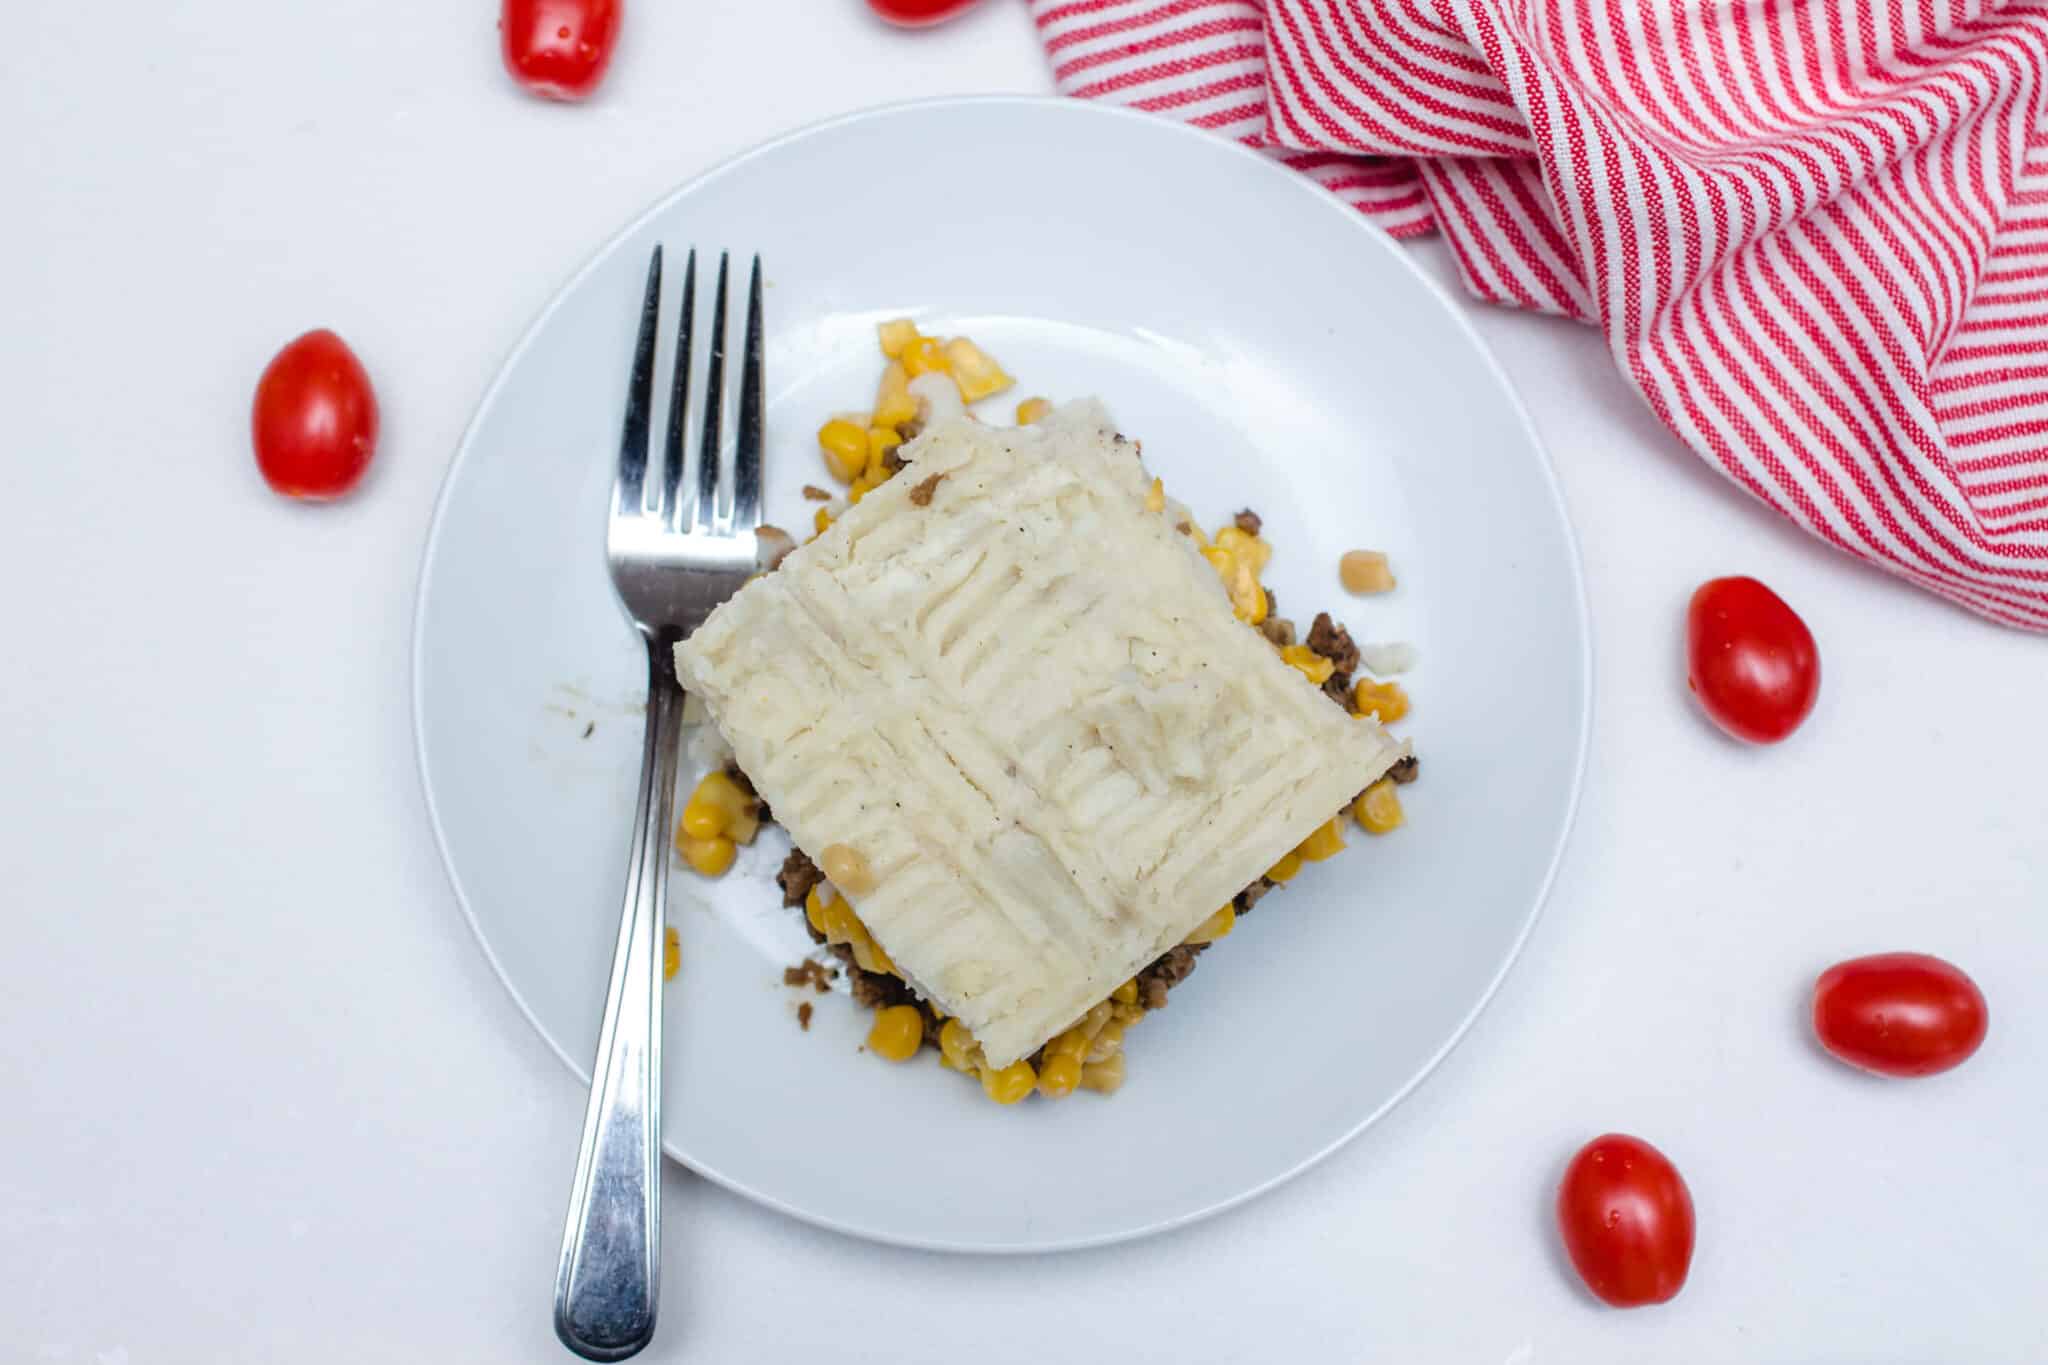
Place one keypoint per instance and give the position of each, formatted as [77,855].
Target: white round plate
[1271,350]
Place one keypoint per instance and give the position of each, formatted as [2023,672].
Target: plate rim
[1163,127]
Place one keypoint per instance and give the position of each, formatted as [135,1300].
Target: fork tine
[670,506]
[713,432]
[628,493]
[714,412]
[746,468]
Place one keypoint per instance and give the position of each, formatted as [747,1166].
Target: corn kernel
[1246,546]
[718,805]
[881,440]
[1126,994]
[1312,665]
[1386,700]
[925,356]
[1105,1078]
[957,1047]
[719,786]
[1095,1020]
[1284,870]
[894,404]
[1009,1085]
[820,521]
[1379,808]
[832,915]
[1033,410]
[1059,1077]
[711,857]
[897,1033]
[835,919]
[895,334]
[716,788]
[845,447]
[1365,571]
[1326,842]
[841,924]
[974,370]
[1071,1043]
[1221,560]
[671,954]
[845,867]
[860,488]
[1247,598]
[1155,497]
[701,820]
[1216,926]
[868,955]
[1107,1043]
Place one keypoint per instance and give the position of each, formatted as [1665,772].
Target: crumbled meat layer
[1248,522]
[1334,643]
[1252,895]
[921,496]
[1404,769]
[1276,628]
[810,972]
[816,494]
[798,875]
[875,990]
[803,1016]
[1172,968]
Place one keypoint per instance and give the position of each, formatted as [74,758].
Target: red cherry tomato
[918,13]
[559,48]
[314,421]
[1750,660]
[1899,1014]
[1626,1218]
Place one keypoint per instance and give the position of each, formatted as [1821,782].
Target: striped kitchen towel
[1814,232]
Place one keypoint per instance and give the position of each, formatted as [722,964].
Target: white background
[261,1099]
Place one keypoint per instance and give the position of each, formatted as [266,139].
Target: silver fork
[675,551]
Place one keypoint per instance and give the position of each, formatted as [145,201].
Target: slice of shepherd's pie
[1008,708]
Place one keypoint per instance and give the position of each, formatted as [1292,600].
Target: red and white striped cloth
[1815,232]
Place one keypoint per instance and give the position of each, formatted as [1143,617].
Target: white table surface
[262,1100]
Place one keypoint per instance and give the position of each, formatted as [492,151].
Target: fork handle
[608,1284]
